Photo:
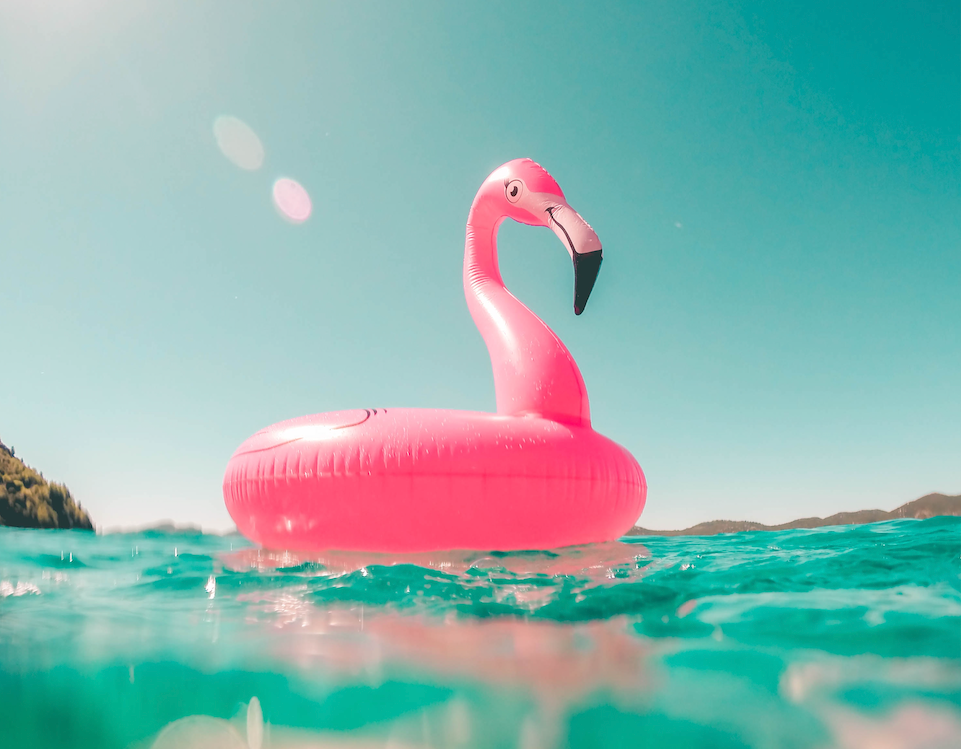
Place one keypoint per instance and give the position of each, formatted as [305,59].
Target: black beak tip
[586,267]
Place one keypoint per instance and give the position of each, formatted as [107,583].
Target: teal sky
[776,331]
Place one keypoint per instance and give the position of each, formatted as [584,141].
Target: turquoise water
[837,637]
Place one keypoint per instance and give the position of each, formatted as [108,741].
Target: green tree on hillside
[27,500]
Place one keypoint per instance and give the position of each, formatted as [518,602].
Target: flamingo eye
[514,190]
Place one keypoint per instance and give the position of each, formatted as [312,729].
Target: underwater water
[836,637]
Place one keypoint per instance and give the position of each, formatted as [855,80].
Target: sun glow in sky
[775,333]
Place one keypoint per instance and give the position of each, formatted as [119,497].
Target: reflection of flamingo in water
[554,664]
[533,475]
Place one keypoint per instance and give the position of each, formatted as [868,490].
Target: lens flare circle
[292,200]
[238,143]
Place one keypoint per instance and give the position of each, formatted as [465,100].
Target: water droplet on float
[292,200]
[238,143]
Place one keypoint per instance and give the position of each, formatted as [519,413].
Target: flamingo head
[525,192]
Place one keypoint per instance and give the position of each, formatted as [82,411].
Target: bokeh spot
[238,142]
[292,200]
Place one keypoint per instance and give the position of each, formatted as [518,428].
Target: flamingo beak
[584,247]
[586,267]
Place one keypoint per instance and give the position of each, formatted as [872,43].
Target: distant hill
[925,507]
[161,526]
[28,500]
[171,528]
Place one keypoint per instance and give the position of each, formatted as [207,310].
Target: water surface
[835,637]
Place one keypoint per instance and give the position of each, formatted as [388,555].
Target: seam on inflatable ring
[287,477]
[297,439]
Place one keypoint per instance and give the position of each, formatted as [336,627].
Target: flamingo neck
[534,373]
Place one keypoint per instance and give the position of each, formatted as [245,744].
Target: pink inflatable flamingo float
[535,475]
